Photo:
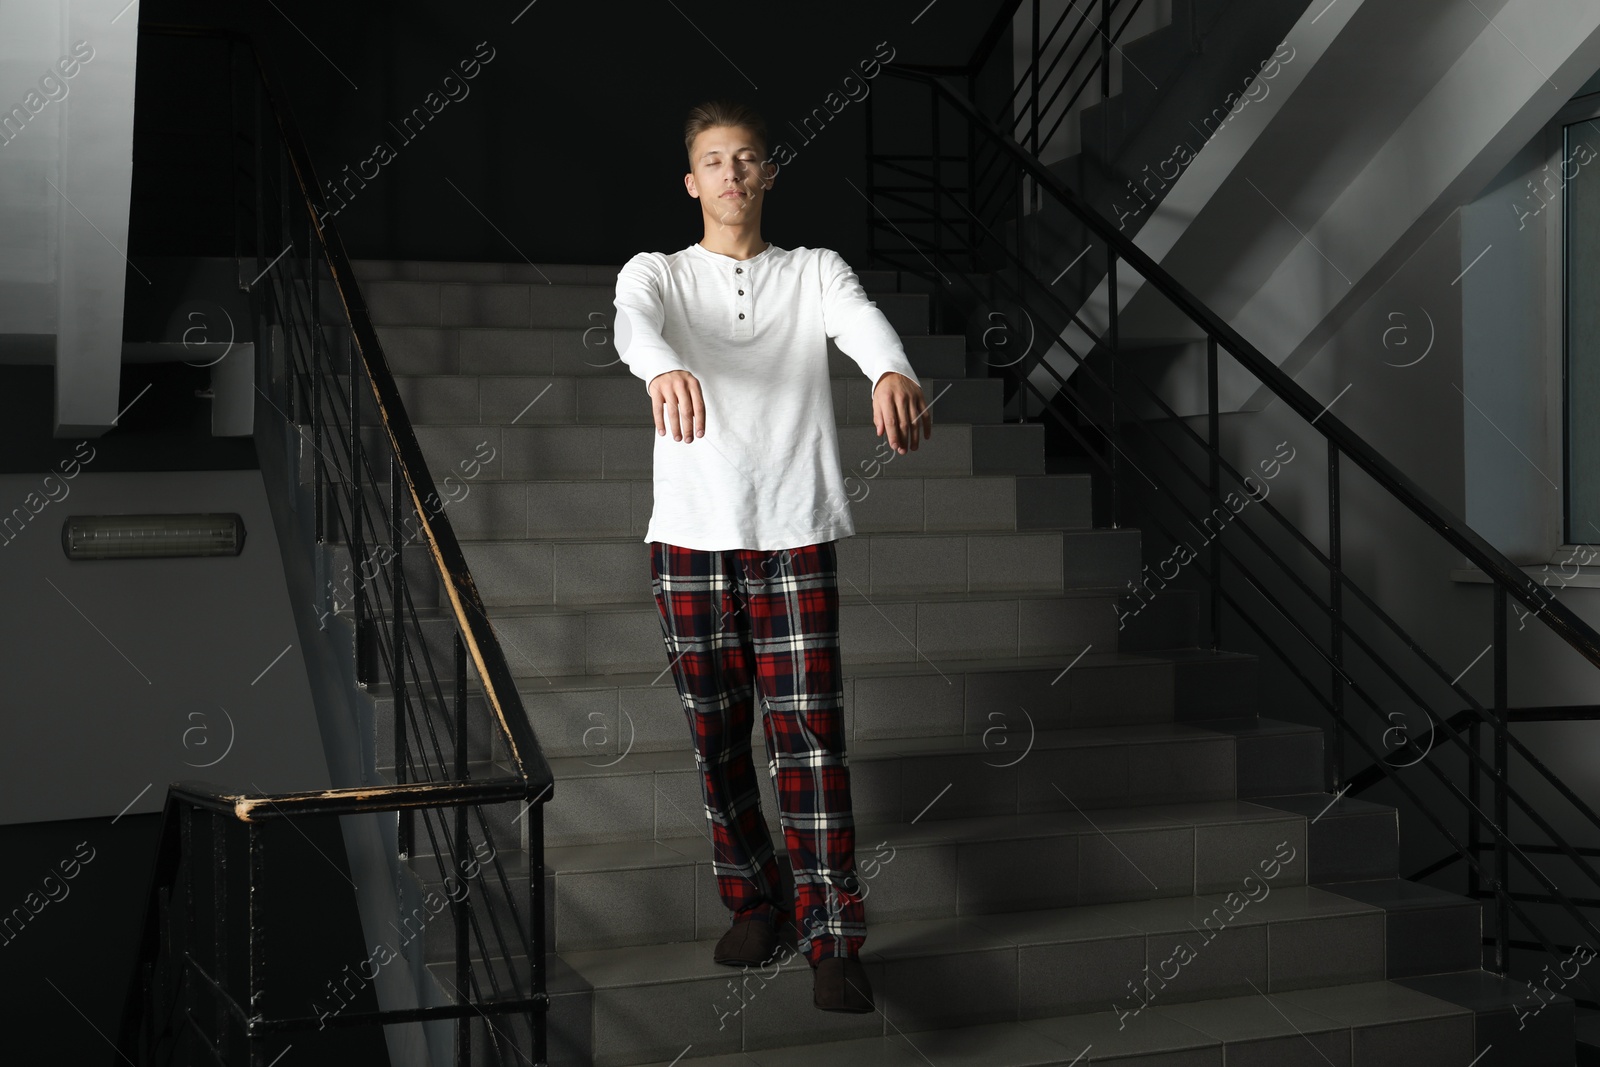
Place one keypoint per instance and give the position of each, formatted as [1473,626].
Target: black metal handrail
[323,393]
[996,255]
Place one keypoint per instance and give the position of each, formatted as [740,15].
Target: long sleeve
[856,324]
[639,319]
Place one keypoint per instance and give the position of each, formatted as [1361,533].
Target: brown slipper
[840,984]
[748,943]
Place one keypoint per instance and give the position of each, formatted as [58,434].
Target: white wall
[123,675]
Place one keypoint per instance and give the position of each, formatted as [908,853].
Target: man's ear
[689,186]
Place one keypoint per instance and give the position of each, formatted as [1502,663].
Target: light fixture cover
[152,536]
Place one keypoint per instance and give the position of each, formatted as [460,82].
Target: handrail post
[1114,349]
[1502,852]
[872,178]
[398,687]
[938,182]
[538,1019]
[219,928]
[1035,57]
[463,906]
[1336,620]
[255,963]
[974,260]
[359,607]
[1475,801]
[186,821]
[320,474]
[233,153]
[1105,77]
[1214,437]
[260,190]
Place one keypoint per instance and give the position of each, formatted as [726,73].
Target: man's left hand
[899,410]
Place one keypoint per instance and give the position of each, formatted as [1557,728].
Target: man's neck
[736,246]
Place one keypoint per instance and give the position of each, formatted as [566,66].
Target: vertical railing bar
[974,261]
[1214,437]
[319,478]
[462,914]
[1035,56]
[938,184]
[255,991]
[233,153]
[219,926]
[1335,618]
[190,920]
[399,686]
[260,190]
[1114,349]
[1475,798]
[1502,771]
[872,187]
[539,1017]
[357,562]
[1105,77]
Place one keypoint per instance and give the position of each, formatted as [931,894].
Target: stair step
[477,458]
[1427,930]
[551,509]
[614,400]
[519,304]
[613,568]
[372,270]
[1349,839]
[639,892]
[645,891]
[1376,1022]
[603,717]
[642,711]
[588,352]
[1305,949]
[548,639]
[650,794]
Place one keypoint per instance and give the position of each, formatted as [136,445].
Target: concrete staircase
[1287,220]
[1047,807]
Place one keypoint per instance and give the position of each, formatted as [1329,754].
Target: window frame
[1557,227]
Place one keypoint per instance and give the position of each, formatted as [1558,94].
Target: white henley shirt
[753,332]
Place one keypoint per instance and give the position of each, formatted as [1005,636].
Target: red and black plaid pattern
[745,620]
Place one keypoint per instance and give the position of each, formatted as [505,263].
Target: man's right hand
[679,393]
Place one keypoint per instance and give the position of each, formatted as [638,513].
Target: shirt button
[741,292]
[738,270]
[741,314]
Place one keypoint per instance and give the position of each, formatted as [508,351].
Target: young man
[730,337]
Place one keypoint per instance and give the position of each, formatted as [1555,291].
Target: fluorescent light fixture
[152,536]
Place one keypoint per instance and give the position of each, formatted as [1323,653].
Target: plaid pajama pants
[744,618]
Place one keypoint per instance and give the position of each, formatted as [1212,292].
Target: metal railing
[1323,629]
[201,976]
[1063,61]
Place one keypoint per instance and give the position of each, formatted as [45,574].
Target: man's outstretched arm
[863,333]
[675,397]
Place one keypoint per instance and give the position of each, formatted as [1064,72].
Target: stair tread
[1089,661]
[626,376]
[685,961]
[1065,1039]
[674,850]
[631,539]
[565,683]
[897,747]
[1076,592]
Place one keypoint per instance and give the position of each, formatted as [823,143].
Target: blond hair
[704,116]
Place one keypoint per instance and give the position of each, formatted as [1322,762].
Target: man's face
[727,175]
